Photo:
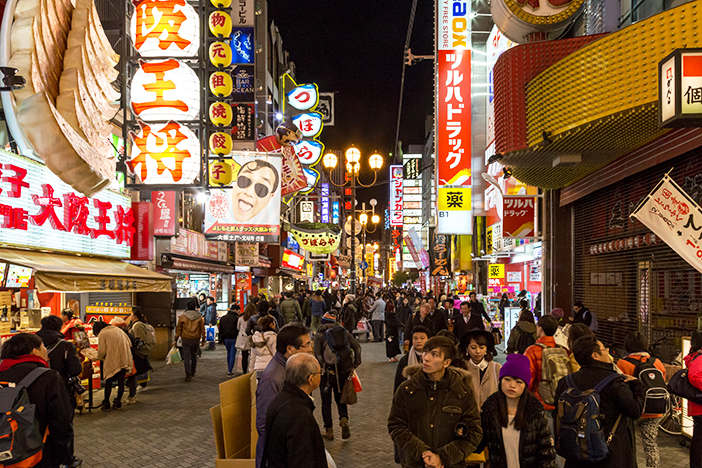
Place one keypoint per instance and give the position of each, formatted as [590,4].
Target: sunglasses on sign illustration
[243,182]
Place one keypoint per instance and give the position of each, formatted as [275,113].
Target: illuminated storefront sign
[39,210]
[324,206]
[336,212]
[164,206]
[519,215]
[396,192]
[167,90]
[680,89]
[292,260]
[453,107]
[534,20]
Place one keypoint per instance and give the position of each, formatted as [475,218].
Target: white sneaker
[131,400]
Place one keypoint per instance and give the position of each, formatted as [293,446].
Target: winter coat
[293,438]
[227,326]
[693,362]
[535,354]
[427,415]
[141,363]
[211,314]
[536,448]
[243,340]
[268,388]
[263,349]
[349,317]
[320,340]
[439,320]
[191,326]
[62,356]
[54,409]
[378,310]
[114,350]
[404,312]
[290,310]
[317,307]
[617,398]
[521,327]
[415,321]
[483,388]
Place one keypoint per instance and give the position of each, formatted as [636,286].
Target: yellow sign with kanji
[221,84]
[488,240]
[496,271]
[454,199]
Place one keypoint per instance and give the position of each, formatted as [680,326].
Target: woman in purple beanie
[515,429]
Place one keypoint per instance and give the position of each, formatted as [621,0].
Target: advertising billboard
[396,192]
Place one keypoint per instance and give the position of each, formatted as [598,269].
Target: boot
[328,433]
[345,429]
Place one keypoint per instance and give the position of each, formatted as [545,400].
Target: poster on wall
[249,211]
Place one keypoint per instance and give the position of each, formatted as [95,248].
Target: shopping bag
[348,393]
[210,333]
[480,457]
[173,356]
[131,371]
[356,382]
[238,361]
[361,326]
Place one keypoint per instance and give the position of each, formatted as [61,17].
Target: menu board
[18,276]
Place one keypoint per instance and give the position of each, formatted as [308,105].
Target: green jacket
[438,416]
[290,310]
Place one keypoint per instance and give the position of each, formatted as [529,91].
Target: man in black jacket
[228,333]
[21,354]
[62,354]
[623,397]
[293,438]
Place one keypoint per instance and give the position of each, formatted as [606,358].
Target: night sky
[356,50]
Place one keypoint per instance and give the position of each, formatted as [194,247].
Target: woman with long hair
[515,428]
[243,340]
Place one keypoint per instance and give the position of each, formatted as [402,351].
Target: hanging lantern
[221,113]
[221,84]
[220,54]
[220,143]
[165,90]
[220,24]
[220,172]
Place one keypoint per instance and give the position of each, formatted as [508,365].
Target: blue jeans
[230,344]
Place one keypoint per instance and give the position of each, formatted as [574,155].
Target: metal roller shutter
[630,279]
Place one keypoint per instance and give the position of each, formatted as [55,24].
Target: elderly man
[292,435]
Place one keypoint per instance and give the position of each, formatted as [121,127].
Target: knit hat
[328,318]
[517,365]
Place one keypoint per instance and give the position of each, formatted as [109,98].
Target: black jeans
[327,386]
[245,360]
[118,379]
[696,445]
[378,329]
[190,351]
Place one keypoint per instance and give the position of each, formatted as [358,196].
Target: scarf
[7,363]
[412,359]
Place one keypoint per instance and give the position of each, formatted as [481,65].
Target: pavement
[170,426]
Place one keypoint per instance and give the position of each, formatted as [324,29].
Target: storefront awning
[66,273]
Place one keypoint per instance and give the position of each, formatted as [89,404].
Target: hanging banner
[412,249]
[143,240]
[317,237]
[518,216]
[324,205]
[164,206]
[326,108]
[439,255]
[293,176]
[675,218]
[249,211]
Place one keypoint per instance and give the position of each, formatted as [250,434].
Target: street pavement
[170,426]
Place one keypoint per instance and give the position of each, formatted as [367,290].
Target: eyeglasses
[243,182]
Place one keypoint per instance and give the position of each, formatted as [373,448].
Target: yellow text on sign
[454,199]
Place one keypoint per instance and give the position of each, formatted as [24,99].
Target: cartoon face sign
[255,185]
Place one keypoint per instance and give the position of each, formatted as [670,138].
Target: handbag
[680,385]
[348,393]
[356,382]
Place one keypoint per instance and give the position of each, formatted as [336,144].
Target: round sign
[220,54]
[165,29]
[534,20]
[220,172]
[221,3]
[303,97]
[220,24]
[221,113]
[165,90]
[310,124]
[309,151]
[220,143]
[166,153]
[221,84]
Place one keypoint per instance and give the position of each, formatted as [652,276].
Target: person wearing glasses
[255,186]
[293,438]
[292,339]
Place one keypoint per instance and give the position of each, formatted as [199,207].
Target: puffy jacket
[536,448]
[62,357]
[535,353]
[53,405]
[191,326]
[519,329]
[427,415]
[693,362]
[227,326]
[290,310]
[263,349]
[114,350]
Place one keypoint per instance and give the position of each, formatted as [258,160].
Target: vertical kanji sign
[396,192]
[453,106]
[518,216]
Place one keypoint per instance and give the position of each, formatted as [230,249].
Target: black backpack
[656,396]
[337,349]
[21,441]
[524,341]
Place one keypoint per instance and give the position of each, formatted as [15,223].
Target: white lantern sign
[165,90]
[165,28]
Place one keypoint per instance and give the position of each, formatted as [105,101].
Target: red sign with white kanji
[518,216]
[164,206]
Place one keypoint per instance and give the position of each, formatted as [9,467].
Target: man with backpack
[290,309]
[595,411]
[339,354]
[29,387]
[548,362]
[651,372]
[143,338]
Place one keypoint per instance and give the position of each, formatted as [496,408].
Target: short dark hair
[266,323]
[696,341]
[20,345]
[139,313]
[472,293]
[447,334]
[420,329]
[68,313]
[290,335]
[526,316]
[579,304]
[446,345]
[583,348]
[51,322]
[98,326]
[576,331]
[524,304]
[465,303]
[635,343]
[548,324]
[192,304]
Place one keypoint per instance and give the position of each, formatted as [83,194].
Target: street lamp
[353,169]
[363,219]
